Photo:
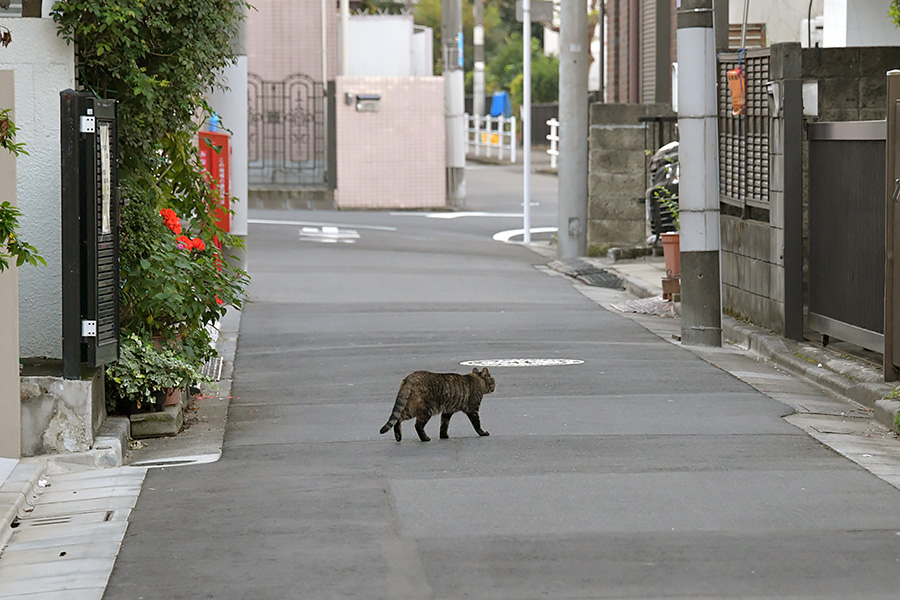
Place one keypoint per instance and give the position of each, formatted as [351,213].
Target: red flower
[171,220]
[219,300]
[185,243]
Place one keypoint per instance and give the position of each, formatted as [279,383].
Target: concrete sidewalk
[849,377]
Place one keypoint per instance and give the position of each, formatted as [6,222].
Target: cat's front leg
[445,423]
[397,433]
[476,423]
[421,420]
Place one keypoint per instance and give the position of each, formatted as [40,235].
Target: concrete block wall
[852,82]
[616,173]
[753,274]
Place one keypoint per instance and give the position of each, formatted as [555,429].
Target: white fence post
[480,132]
[553,151]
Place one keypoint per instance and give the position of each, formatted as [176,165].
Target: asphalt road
[644,472]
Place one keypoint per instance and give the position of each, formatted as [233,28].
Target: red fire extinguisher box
[215,155]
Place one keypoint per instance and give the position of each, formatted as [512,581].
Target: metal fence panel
[846,231]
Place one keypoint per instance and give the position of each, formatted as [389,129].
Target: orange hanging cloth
[736,85]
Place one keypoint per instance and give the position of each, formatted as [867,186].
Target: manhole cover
[522,362]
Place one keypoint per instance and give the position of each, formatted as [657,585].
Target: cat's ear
[484,372]
[475,370]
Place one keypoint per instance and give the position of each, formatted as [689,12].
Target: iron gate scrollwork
[287,129]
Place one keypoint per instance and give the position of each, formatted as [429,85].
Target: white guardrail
[487,135]
[553,137]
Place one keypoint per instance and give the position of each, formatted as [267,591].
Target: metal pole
[573,129]
[454,100]
[478,40]
[701,306]
[345,37]
[526,120]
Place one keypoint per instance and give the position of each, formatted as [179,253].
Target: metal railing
[553,138]
[485,135]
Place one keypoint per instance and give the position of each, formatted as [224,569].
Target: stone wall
[618,146]
[60,415]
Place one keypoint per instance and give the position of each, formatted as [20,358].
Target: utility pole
[231,106]
[698,194]
[454,100]
[478,40]
[573,129]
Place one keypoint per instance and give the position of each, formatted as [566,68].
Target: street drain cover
[587,273]
[522,362]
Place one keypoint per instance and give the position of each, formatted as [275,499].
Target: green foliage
[894,12]
[11,247]
[159,59]
[509,64]
[145,368]
[428,13]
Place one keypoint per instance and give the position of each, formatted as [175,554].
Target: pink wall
[285,37]
[393,158]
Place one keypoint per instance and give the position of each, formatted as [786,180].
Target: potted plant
[148,373]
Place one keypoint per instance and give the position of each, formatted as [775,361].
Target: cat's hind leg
[476,423]
[445,423]
[421,420]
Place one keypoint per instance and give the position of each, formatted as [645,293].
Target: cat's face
[487,377]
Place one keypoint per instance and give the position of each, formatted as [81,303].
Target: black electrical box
[90,231]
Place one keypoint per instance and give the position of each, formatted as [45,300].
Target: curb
[17,493]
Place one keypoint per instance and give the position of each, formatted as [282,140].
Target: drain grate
[656,305]
[68,519]
[213,368]
[587,273]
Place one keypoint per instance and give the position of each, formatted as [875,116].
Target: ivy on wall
[159,59]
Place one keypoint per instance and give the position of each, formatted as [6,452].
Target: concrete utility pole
[478,40]
[454,100]
[573,128]
[698,195]
[231,106]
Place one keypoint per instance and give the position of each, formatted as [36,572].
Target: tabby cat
[423,394]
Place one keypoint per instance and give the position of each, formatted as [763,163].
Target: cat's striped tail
[399,405]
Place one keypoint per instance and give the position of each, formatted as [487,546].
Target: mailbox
[90,231]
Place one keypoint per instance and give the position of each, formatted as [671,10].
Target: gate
[847,231]
[287,133]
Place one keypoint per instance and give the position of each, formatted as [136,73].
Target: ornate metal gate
[287,127]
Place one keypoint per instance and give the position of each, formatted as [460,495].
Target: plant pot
[672,253]
[168,397]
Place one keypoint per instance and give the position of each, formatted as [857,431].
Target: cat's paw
[484,433]
[444,436]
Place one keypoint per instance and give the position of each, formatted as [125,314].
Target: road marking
[328,235]
[522,362]
[456,215]
[318,224]
[506,236]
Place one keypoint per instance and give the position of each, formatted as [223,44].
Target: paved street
[643,472]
